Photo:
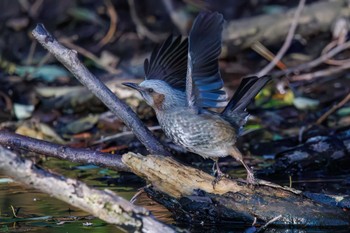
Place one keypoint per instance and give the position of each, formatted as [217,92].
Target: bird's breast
[201,134]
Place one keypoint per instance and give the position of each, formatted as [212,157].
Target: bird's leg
[250,173]
[216,168]
[235,153]
[217,171]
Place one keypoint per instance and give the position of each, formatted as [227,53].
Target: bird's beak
[133,86]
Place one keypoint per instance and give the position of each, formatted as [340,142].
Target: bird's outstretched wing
[203,82]
[168,62]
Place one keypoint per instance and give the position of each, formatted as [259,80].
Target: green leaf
[343,111]
[84,14]
[303,103]
[48,73]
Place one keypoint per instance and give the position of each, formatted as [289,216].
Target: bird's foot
[219,177]
[251,179]
[216,180]
[219,174]
[250,174]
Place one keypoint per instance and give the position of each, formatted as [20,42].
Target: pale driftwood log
[272,29]
[105,205]
[233,198]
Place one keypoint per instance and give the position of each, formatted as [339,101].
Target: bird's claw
[251,179]
[219,177]
[216,180]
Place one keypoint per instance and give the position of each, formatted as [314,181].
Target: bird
[184,86]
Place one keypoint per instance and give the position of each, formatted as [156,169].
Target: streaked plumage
[183,80]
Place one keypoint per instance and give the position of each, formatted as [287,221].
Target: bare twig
[13,211]
[122,134]
[103,204]
[89,55]
[269,222]
[142,30]
[17,141]
[333,109]
[313,63]
[32,48]
[70,60]
[267,54]
[138,193]
[178,16]
[44,59]
[113,24]
[35,7]
[321,73]
[335,62]
[286,43]
[8,102]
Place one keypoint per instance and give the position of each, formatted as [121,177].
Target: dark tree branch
[70,60]
[103,204]
[78,155]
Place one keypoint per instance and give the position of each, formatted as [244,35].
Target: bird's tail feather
[246,91]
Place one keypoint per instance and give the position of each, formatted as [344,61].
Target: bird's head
[159,95]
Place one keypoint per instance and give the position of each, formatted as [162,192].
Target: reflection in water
[38,212]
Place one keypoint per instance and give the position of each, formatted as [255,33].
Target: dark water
[38,212]
[41,213]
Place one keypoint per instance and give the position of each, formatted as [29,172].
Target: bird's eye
[150,90]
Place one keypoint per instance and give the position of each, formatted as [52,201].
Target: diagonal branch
[70,60]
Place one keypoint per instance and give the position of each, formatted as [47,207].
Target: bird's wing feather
[247,90]
[235,111]
[168,62]
[203,82]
